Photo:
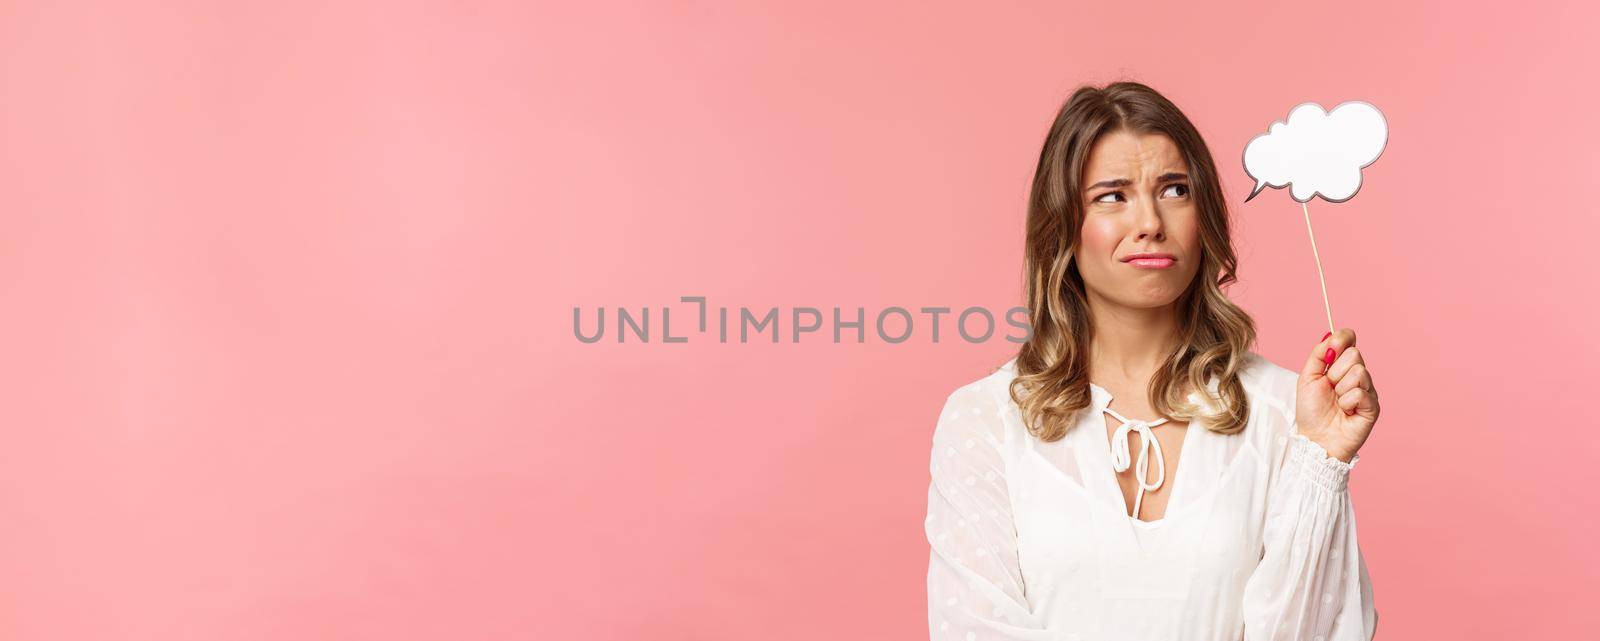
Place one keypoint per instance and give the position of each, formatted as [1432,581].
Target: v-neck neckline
[1102,401]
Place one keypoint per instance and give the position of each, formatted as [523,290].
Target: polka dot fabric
[974,588]
[1258,541]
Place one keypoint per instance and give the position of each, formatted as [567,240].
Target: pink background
[289,350]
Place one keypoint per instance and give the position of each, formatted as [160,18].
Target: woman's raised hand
[1336,405]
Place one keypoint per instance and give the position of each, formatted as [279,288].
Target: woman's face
[1137,201]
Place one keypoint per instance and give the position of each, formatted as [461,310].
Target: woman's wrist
[1317,464]
[1341,454]
[1343,451]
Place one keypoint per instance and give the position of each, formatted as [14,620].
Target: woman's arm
[1312,582]
[975,588]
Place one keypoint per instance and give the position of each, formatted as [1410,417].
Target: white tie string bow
[1121,452]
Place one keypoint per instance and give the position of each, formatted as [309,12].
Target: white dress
[1032,540]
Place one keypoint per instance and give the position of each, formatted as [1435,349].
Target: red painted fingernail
[1325,336]
[1328,357]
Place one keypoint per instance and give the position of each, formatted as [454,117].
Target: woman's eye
[1184,190]
[1102,198]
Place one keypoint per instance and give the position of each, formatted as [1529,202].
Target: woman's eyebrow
[1120,182]
[1124,182]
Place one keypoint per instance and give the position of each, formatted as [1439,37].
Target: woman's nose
[1149,220]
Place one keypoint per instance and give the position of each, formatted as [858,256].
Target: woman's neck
[1129,343]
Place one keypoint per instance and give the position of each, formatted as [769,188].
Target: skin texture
[1135,318]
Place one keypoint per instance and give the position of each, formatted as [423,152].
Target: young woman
[1136,472]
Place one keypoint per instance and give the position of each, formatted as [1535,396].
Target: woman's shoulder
[1268,382]
[1271,389]
[985,391]
[976,409]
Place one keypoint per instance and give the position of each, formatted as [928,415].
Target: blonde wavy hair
[1052,382]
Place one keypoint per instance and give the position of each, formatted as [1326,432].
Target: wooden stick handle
[1325,307]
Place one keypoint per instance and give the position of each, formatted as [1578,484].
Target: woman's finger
[1359,401]
[1333,344]
[1356,376]
[1315,365]
[1350,400]
[1341,365]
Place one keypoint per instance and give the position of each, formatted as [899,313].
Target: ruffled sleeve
[975,588]
[1312,582]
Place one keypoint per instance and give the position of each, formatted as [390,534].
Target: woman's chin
[1153,294]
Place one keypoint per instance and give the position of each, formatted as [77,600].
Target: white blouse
[1033,541]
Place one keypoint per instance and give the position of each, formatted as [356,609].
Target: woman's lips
[1151,263]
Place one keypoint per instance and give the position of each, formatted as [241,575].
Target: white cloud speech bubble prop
[1316,152]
